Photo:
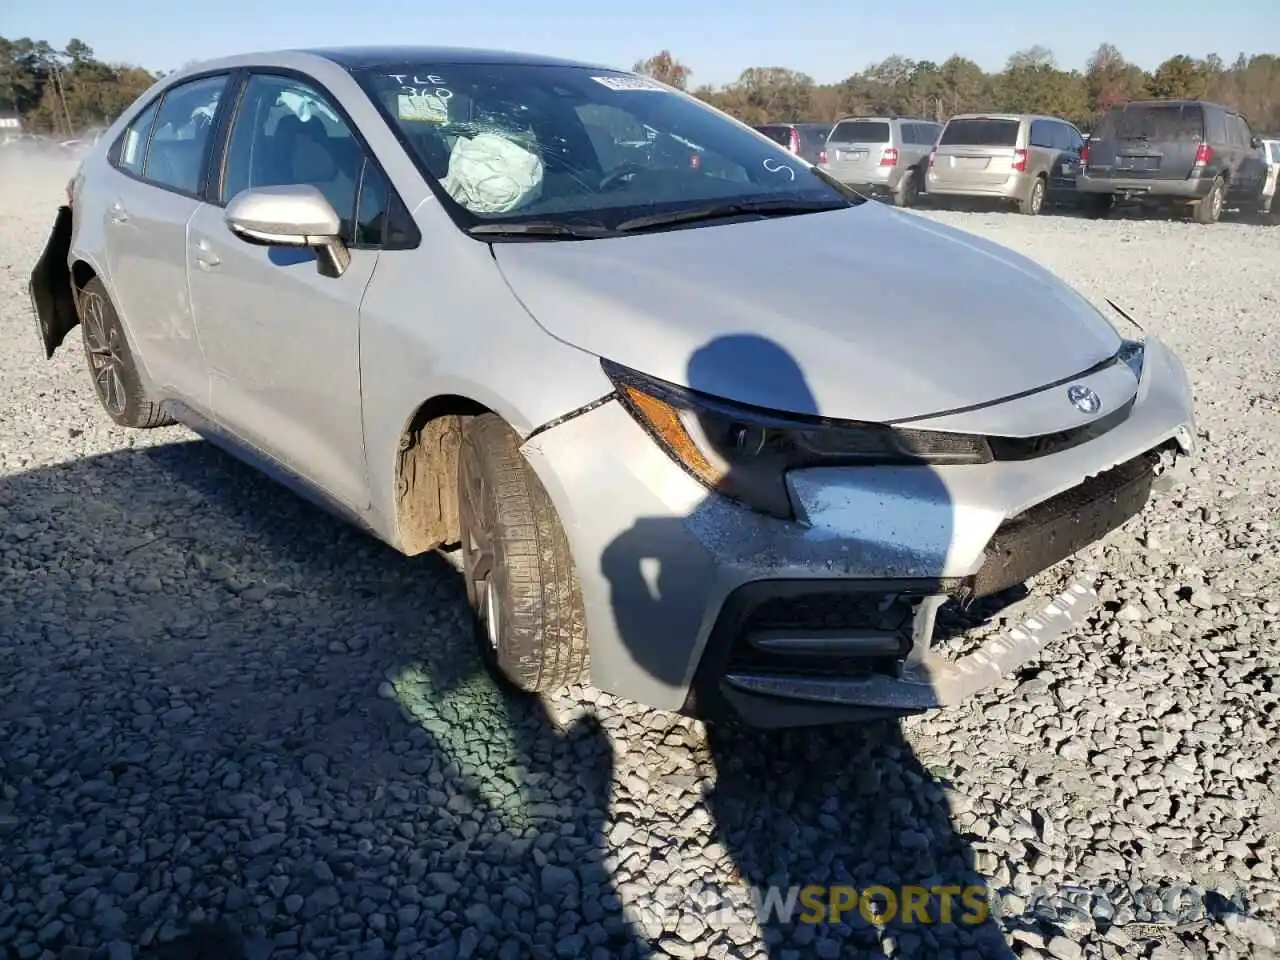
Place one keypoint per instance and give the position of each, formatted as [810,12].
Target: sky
[717,39]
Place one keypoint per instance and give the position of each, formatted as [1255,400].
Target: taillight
[1020,161]
[889,157]
[1084,155]
[1204,153]
[695,161]
[822,158]
[933,156]
[795,141]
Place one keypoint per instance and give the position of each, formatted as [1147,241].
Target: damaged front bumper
[890,594]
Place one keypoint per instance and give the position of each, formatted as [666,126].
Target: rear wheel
[115,375]
[908,192]
[1033,202]
[1209,209]
[521,582]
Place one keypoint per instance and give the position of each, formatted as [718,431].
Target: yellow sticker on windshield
[422,108]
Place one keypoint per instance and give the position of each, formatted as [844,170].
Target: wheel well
[81,274]
[427,473]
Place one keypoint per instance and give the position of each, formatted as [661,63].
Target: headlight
[744,452]
[1133,347]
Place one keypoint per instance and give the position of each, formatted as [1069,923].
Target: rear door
[1068,143]
[977,151]
[1152,141]
[855,147]
[1249,165]
[153,193]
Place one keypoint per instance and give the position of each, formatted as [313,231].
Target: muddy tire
[1209,210]
[521,583]
[111,365]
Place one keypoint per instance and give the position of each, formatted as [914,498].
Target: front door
[282,341]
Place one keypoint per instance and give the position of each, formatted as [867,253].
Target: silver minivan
[1029,159]
[881,156]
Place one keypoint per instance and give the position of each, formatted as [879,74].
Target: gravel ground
[221,710]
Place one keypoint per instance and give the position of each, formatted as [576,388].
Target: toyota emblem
[1084,399]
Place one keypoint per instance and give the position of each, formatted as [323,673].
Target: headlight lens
[744,452]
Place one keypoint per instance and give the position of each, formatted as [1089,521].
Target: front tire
[111,365]
[521,582]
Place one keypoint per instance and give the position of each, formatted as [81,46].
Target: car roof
[1173,103]
[362,57]
[352,59]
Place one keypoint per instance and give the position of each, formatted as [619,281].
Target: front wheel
[521,582]
[115,375]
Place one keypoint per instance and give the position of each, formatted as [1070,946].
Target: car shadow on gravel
[842,836]
[194,762]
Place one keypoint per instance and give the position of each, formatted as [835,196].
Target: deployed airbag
[491,174]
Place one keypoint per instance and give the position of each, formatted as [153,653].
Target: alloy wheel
[102,340]
[478,547]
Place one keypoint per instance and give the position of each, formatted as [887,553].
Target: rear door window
[183,129]
[133,146]
[1042,134]
[980,132]
[860,131]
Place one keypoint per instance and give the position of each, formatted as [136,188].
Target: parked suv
[805,140]
[881,156]
[1026,158]
[1186,153]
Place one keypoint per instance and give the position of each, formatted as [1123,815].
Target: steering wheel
[625,169]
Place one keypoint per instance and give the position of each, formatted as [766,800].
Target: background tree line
[1030,82]
[65,91]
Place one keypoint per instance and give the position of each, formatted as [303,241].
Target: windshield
[573,145]
[980,133]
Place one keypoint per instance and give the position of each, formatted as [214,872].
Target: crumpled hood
[887,315]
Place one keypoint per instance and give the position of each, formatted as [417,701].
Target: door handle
[118,213]
[205,255]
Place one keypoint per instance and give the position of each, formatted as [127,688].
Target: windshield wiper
[778,208]
[544,228]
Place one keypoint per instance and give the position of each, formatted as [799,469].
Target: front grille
[1055,529]
[1028,448]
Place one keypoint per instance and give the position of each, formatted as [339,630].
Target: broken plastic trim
[572,414]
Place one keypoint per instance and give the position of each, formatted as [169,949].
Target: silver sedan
[707,428]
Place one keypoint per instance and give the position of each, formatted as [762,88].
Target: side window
[1041,135]
[931,131]
[183,127]
[911,133]
[133,145]
[286,132]
[1235,131]
[1245,133]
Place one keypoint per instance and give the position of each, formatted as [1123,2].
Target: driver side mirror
[294,215]
[1255,143]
